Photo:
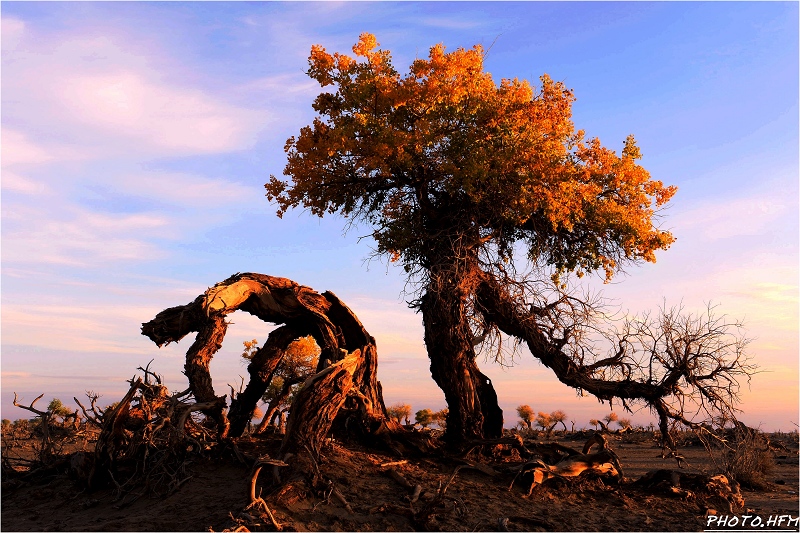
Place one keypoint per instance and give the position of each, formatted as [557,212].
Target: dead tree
[685,368]
[146,439]
[47,448]
[347,369]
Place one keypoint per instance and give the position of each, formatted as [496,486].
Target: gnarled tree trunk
[348,359]
[471,399]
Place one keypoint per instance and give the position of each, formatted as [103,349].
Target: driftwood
[562,461]
[347,369]
[719,492]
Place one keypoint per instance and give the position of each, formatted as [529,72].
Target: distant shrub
[440,417]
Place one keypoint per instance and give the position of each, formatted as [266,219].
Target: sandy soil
[217,493]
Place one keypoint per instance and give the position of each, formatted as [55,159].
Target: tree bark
[472,402]
[348,359]
[198,358]
[316,405]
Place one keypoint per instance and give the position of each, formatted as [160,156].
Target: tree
[440,417]
[424,417]
[525,414]
[595,422]
[400,412]
[299,362]
[559,417]
[545,421]
[346,373]
[57,408]
[454,173]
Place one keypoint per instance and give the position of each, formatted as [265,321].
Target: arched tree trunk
[198,358]
[348,359]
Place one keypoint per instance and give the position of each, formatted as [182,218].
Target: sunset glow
[137,138]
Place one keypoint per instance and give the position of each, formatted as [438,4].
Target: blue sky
[136,139]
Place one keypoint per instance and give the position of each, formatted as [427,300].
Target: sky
[136,139]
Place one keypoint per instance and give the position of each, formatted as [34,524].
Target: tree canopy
[444,152]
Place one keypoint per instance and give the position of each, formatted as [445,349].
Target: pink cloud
[108,96]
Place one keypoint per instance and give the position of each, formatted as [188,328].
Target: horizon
[136,139]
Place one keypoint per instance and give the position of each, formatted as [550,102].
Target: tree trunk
[316,405]
[198,358]
[473,409]
[274,405]
[261,369]
[348,359]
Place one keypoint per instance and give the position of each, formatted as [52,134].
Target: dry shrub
[750,461]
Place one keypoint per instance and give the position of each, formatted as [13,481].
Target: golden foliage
[399,412]
[444,151]
[525,413]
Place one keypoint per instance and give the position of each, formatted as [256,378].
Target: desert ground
[365,489]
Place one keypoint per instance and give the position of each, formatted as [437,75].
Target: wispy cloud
[17,183]
[736,217]
[102,93]
[186,189]
[78,237]
[88,328]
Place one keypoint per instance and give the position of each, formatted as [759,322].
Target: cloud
[187,190]
[12,31]
[734,217]
[173,120]
[768,292]
[111,97]
[78,237]
[18,149]
[8,375]
[86,328]
[16,183]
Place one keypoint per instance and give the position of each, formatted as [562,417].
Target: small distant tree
[400,412]
[525,414]
[611,417]
[559,417]
[595,422]
[545,421]
[424,417]
[57,408]
[440,418]
[625,423]
[298,363]
[250,349]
